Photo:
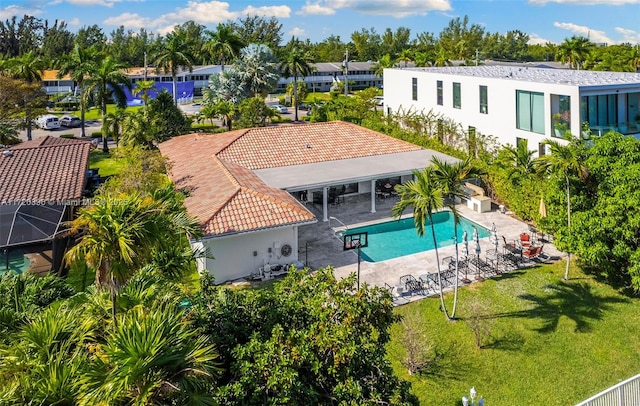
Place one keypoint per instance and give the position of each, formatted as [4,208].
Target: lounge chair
[411,284]
[525,240]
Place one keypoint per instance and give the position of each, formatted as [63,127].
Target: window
[414,88]
[542,149]
[456,95]
[530,111]
[484,108]
[439,93]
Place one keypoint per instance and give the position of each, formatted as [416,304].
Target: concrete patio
[320,247]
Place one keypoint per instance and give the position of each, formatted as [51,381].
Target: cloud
[298,32]
[593,35]
[630,36]
[105,3]
[129,20]
[398,8]
[74,21]
[272,11]
[316,9]
[586,2]
[15,10]
[535,39]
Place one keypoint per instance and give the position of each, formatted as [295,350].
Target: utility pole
[145,66]
[346,71]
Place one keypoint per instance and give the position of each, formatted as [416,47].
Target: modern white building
[519,103]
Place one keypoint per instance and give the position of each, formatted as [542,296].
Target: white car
[379,100]
[70,121]
[279,108]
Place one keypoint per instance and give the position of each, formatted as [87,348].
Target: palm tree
[258,69]
[296,63]
[442,58]
[173,54]
[383,63]
[29,68]
[424,195]
[105,82]
[564,161]
[120,232]
[575,51]
[78,65]
[405,56]
[518,161]
[114,122]
[154,356]
[223,43]
[451,178]
[144,89]
[226,110]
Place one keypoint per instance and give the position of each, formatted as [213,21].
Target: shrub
[67,136]
[96,134]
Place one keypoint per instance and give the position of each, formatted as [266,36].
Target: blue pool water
[18,263]
[398,238]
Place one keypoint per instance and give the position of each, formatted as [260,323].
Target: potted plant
[560,127]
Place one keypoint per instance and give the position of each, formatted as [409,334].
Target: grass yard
[551,343]
[106,163]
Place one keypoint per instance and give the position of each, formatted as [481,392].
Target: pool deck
[320,247]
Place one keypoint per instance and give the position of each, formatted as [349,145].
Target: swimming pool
[18,263]
[395,238]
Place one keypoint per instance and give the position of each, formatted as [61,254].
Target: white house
[249,188]
[519,103]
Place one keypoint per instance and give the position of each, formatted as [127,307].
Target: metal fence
[625,393]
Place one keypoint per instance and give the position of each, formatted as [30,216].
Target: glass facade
[414,88]
[484,107]
[530,111]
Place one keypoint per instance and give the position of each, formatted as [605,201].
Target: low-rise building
[516,103]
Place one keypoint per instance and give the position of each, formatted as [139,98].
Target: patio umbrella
[543,208]
[465,244]
[494,236]
[478,250]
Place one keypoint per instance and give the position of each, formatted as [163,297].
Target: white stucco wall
[233,256]
[500,121]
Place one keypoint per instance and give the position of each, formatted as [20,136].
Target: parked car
[279,108]
[48,122]
[70,121]
[379,100]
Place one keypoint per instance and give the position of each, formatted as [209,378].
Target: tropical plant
[104,83]
[565,161]
[120,232]
[451,178]
[144,89]
[223,43]
[296,64]
[258,69]
[78,65]
[574,51]
[383,63]
[424,195]
[172,55]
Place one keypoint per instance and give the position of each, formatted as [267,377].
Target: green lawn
[552,342]
[94,113]
[106,163]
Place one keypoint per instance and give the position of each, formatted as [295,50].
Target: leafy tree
[225,86]
[226,111]
[383,63]
[173,54]
[145,172]
[57,40]
[223,43]
[460,38]
[78,65]
[331,49]
[144,89]
[425,196]
[113,124]
[91,37]
[566,162]
[451,178]
[367,44]
[296,63]
[20,103]
[605,221]
[8,133]
[168,120]
[254,29]
[104,83]
[312,340]
[254,112]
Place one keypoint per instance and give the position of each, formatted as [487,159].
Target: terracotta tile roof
[46,169]
[269,147]
[228,197]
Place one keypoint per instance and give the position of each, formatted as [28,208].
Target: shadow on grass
[511,341]
[447,364]
[572,300]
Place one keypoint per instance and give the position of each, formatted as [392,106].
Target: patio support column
[373,195]
[325,216]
